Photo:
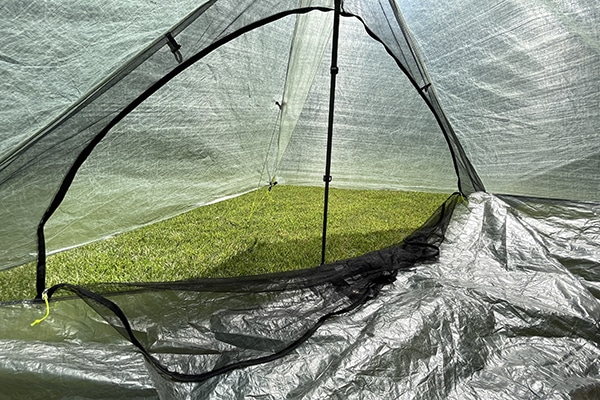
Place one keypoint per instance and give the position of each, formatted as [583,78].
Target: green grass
[256,233]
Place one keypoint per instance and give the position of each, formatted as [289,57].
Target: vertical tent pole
[334,71]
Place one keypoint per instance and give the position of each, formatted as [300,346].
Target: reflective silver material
[511,310]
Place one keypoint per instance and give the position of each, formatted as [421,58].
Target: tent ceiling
[518,82]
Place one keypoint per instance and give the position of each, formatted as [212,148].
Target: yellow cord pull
[45,297]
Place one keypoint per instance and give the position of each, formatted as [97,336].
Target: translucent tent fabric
[49,60]
[520,83]
[234,109]
[50,51]
[216,130]
[497,297]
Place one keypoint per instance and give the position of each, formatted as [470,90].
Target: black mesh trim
[356,280]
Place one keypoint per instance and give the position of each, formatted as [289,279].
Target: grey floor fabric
[510,310]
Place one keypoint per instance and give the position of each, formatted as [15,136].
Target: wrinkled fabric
[510,309]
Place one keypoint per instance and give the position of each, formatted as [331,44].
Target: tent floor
[510,310]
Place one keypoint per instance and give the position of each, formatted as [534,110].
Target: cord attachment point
[45,298]
[425,88]
[174,46]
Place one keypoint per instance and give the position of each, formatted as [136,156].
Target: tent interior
[116,115]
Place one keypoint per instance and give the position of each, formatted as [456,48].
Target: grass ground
[255,233]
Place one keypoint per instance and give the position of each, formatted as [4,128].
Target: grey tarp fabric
[509,310]
[480,323]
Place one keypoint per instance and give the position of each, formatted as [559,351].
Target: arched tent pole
[333,72]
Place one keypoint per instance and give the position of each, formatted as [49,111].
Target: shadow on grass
[262,257]
[254,258]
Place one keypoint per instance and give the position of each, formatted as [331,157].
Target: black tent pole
[334,71]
